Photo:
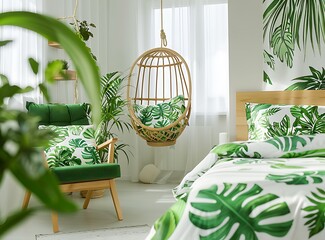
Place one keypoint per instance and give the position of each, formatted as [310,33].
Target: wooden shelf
[54,44]
[72,75]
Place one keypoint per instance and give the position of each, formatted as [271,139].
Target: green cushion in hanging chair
[161,114]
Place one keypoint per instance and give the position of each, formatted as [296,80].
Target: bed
[268,184]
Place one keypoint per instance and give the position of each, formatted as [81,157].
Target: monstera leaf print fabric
[162,114]
[73,145]
[271,189]
[267,120]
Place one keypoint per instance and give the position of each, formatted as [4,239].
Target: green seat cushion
[60,114]
[84,173]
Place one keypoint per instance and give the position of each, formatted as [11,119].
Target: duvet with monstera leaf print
[271,189]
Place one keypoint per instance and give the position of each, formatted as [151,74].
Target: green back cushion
[60,114]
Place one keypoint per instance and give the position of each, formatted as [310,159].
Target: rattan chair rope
[158,75]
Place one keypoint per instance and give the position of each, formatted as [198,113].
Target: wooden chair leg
[87,200]
[115,200]
[26,199]
[55,222]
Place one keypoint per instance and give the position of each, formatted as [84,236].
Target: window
[199,32]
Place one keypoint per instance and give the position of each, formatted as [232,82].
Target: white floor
[141,204]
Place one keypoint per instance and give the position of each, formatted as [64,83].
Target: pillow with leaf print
[162,114]
[73,145]
[267,120]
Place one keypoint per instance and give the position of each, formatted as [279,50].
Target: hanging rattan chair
[156,79]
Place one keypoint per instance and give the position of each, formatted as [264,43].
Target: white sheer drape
[14,64]
[198,30]
[195,29]
[14,56]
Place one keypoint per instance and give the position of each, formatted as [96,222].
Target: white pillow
[74,145]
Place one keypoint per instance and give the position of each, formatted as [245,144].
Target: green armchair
[73,155]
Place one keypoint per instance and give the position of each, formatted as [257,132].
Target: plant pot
[72,75]
[96,193]
[54,44]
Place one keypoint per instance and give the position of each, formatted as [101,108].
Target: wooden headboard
[298,97]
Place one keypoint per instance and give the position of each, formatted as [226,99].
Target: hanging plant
[82,29]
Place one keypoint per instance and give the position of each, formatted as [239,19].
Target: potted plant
[64,73]
[112,112]
[82,29]
[19,133]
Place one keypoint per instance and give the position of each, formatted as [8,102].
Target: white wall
[245,51]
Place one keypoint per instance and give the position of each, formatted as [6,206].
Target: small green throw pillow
[162,114]
[73,145]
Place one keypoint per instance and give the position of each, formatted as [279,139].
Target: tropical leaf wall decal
[315,81]
[294,40]
[282,45]
[211,201]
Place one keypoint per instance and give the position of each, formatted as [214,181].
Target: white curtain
[14,56]
[198,30]
[14,64]
[195,29]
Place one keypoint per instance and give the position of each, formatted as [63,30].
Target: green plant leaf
[223,208]
[167,223]
[14,219]
[7,91]
[112,115]
[42,87]
[316,212]
[4,43]
[53,69]
[4,79]
[45,186]
[34,65]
